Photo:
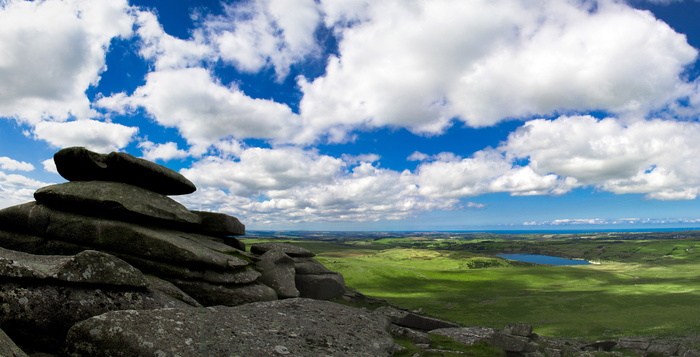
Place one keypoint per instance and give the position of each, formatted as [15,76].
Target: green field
[640,288]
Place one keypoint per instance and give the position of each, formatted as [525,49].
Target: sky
[369,114]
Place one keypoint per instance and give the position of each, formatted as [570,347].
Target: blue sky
[369,115]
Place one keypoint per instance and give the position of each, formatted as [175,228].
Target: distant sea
[575,231]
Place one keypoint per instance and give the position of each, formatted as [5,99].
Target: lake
[542,259]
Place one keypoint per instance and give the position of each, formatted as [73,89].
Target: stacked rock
[118,204]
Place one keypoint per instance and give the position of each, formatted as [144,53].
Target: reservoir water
[542,259]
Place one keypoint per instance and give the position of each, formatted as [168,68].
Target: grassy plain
[644,287]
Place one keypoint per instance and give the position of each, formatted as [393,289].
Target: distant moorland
[646,284]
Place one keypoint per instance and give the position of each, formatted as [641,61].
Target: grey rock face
[116,200]
[80,164]
[294,327]
[290,250]
[320,286]
[159,244]
[87,267]
[278,273]
[31,310]
[309,266]
[8,348]
[219,224]
[518,329]
[228,295]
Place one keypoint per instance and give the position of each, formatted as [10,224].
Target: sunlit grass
[649,292]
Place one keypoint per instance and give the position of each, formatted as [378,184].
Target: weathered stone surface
[228,295]
[632,343]
[309,266]
[278,273]
[169,289]
[294,327]
[242,275]
[291,250]
[31,310]
[220,224]
[518,329]
[80,164]
[413,335]
[321,286]
[158,244]
[87,267]
[8,348]
[466,335]
[116,200]
[512,343]
[411,320]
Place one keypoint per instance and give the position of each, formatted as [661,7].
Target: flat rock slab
[220,224]
[290,250]
[87,267]
[81,164]
[415,321]
[119,237]
[116,200]
[466,335]
[228,295]
[293,327]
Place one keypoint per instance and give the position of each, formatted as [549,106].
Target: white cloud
[258,169]
[655,157]
[487,171]
[16,189]
[166,51]
[9,164]
[94,135]
[52,52]
[256,33]
[50,165]
[167,151]
[205,111]
[418,64]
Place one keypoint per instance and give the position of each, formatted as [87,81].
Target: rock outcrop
[111,239]
[294,327]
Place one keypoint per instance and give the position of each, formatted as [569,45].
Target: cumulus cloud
[92,134]
[655,157]
[205,111]
[9,164]
[53,51]
[420,64]
[255,34]
[166,151]
[16,189]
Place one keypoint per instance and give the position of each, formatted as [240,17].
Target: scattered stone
[634,343]
[413,335]
[278,273]
[466,335]
[219,224]
[512,343]
[300,327]
[116,200]
[411,320]
[290,250]
[518,329]
[80,164]
[601,346]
